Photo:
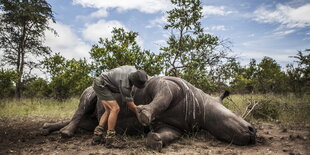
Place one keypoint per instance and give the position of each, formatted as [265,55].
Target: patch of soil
[22,136]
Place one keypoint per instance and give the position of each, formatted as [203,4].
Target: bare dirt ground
[23,137]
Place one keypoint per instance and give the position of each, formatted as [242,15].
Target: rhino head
[225,125]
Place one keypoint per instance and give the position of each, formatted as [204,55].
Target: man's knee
[115,107]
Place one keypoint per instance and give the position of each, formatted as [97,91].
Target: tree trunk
[21,62]
[18,88]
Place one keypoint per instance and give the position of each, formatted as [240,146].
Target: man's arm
[132,106]
[125,91]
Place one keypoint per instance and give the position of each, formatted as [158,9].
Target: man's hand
[132,106]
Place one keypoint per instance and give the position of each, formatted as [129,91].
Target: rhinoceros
[170,107]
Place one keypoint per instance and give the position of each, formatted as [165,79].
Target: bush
[36,87]
[7,78]
[266,110]
[285,108]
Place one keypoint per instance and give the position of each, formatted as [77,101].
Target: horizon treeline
[69,77]
[204,60]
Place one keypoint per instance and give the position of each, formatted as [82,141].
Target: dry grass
[38,108]
[284,108]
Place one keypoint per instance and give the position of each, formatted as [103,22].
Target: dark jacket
[117,81]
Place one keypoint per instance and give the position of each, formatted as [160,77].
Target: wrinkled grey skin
[174,106]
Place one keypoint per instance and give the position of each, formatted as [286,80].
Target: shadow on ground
[22,136]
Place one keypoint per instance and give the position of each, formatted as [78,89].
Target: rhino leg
[144,114]
[161,101]
[86,107]
[88,122]
[156,140]
[48,128]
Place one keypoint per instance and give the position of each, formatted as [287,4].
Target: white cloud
[160,43]
[282,56]
[252,35]
[102,29]
[284,15]
[140,42]
[67,42]
[278,56]
[146,6]
[217,28]
[215,10]
[283,33]
[157,22]
[307,36]
[100,13]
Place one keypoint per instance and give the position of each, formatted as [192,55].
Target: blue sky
[256,28]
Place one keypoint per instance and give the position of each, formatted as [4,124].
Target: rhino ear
[224,95]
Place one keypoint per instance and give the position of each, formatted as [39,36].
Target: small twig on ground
[252,108]
[246,109]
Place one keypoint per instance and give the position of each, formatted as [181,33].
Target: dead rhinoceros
[171,106]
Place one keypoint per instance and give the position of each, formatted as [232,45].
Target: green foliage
[22,34]
[191,53]
[201,59]
[36,87]
[122,49]
[271,107]
[269,76]
[7,78]
[54,64]
[264,77]
[68,77]
[299,77]
[266,110]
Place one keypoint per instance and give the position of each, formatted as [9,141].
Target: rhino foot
[66,133]
[47,125]
[44,132]
[144,115]
[154,141]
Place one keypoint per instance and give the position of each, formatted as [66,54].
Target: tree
[122,49]
[299,76]
[36,87]
[68,77]
[191,53]
[264,77]
[269,76]
[245,78]
[22,34]
[7,78]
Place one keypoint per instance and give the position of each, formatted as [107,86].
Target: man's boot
[98,136]
[111,140]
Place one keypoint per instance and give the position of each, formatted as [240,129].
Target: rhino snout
[252,133]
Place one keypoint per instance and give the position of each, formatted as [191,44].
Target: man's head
[138,78]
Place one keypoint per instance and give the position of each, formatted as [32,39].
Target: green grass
[38,107]
[284,108]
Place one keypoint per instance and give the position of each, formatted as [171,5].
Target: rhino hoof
[144,116]
[44,132]
[46,125]
[66,134]
[154,141]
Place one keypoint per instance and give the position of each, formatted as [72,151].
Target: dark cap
[138,78]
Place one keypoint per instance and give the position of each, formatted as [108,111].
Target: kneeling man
[118,80]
